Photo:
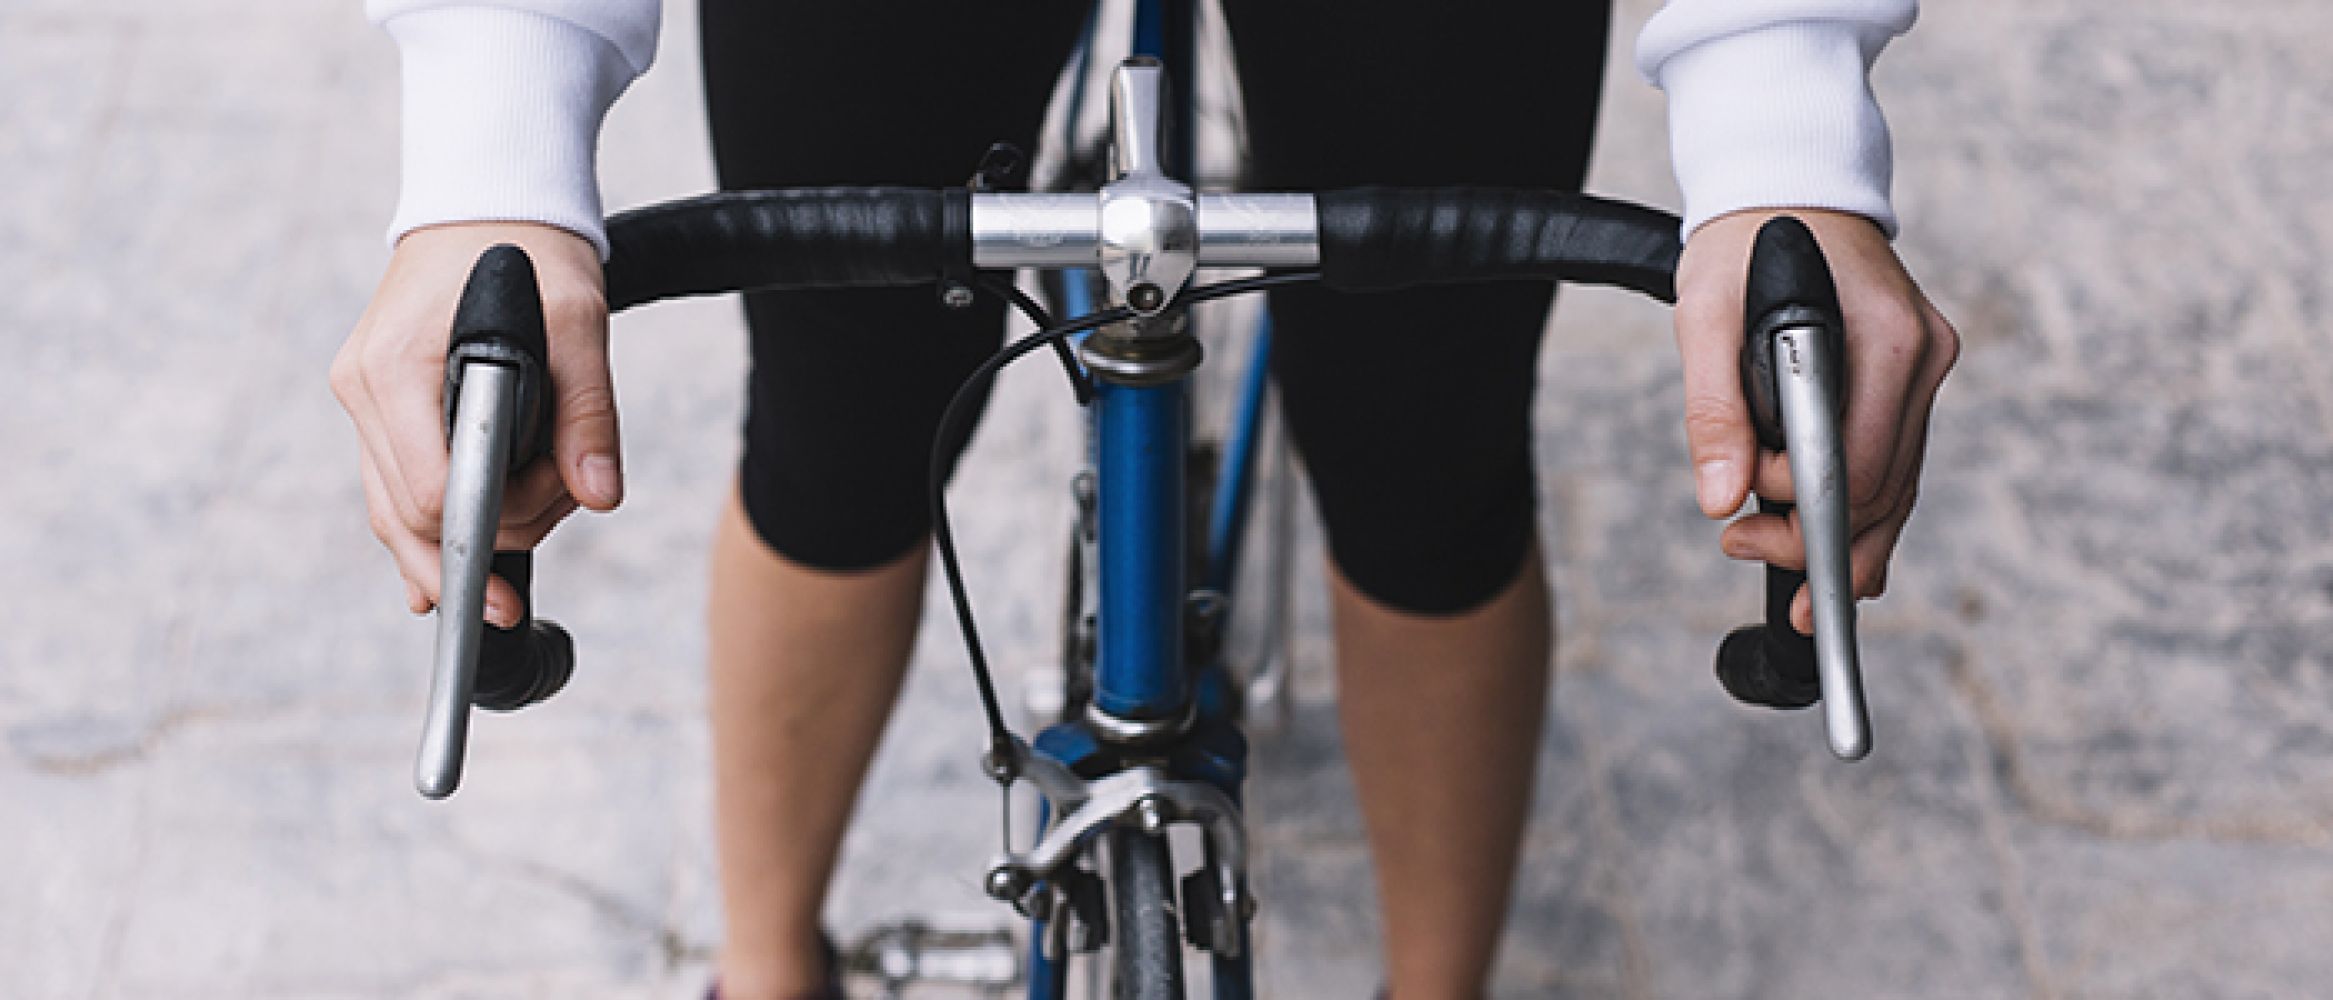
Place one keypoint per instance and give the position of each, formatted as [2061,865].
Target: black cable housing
[953,427]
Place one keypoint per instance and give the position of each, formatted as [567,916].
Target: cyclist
[1440,601]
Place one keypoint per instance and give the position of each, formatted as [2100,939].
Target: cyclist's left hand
[1899,349]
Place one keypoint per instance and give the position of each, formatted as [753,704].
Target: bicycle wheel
[1146,941]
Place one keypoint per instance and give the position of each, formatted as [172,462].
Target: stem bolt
[1151,813]
[1146,297]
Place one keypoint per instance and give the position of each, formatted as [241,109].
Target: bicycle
[1150,738]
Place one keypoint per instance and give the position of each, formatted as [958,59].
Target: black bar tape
[738,241]
[1380,239]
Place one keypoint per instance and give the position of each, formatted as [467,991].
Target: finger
[1774,482]
[533,493]
[421,563]
[379,458]
[584,438]
[1911,455]
[1768,538]
[1771,479]
[502,603]
[1887,348]
[1912,444]
[416,558]
[1867,566]
[525,535]
[404,384]
[1869,555]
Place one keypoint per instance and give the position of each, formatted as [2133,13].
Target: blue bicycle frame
[1140,436]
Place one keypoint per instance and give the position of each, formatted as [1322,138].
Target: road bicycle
[1149,734]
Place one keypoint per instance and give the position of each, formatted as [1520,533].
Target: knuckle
[1944,339]
[346,380]
[1867,486]
[585,402]
[519,537]
[1891,335]
[543,514]
[1711,418]
[429,501]
[373,359]
[1895,320]
[575,307]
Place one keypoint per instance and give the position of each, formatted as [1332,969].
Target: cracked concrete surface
[2105,717]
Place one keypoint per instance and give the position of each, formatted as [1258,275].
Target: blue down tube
[1227,517]
[1139,673]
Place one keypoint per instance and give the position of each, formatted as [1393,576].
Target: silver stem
[1136,132]
[478,461]
[1149,220]
[1818,471]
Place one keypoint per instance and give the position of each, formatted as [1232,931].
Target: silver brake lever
[477,463]
[1803,375]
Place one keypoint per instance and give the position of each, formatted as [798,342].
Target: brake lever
[1793,368]
[497,421]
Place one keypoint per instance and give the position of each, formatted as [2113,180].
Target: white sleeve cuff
[1780,115]
[502,110]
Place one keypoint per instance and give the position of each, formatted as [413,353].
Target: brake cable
[952,429]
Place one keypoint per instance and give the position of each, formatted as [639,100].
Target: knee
[1432,552]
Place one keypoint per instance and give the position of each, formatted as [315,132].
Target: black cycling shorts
[1411,410]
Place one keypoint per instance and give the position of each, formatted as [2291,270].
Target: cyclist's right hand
[390,376]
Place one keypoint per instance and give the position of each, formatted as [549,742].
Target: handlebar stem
[1149,220]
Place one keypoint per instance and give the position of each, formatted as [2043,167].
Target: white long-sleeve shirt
[1770,103]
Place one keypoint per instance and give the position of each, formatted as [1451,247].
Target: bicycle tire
[1146,940]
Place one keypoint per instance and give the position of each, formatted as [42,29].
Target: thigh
[847,386]
[1344,92]
[853,92]
[1412,409]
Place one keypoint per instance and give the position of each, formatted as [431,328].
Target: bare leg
[1441,719]
[805,667]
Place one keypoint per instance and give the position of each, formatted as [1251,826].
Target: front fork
[1195,781]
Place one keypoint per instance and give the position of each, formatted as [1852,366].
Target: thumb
[1718,434]
[1717,416]
[584,436]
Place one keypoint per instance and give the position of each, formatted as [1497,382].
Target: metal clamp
[1149,220]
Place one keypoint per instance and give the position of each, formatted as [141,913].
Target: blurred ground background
[2104,706]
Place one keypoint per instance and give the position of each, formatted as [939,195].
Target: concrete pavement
[2104,709]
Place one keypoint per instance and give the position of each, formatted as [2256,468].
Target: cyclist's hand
[1898,350]
[390,376]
